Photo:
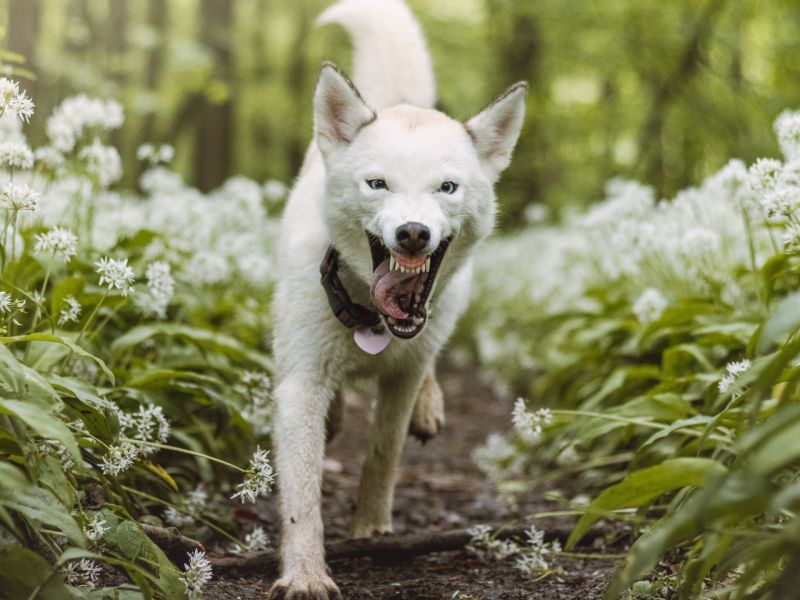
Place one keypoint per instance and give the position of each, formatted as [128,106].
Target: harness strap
[348,312]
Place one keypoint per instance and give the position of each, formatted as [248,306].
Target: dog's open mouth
[401,285]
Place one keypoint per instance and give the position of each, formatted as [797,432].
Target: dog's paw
[297,587]
[428,417]
[368,529]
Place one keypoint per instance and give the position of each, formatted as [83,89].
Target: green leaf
[643,486]
[203,338]
[44,337]
[25,573]
[784,320]
[40,420]
[40,506]
[100,420]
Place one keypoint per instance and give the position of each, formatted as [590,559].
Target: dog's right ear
[339,110]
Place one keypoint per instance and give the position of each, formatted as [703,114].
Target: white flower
[16,154]
[534,555]
[52,447]
[258,479]
[529,424]
[79,114]
[69,313]
[84,573]
[254,541]
[96,528]
[649,305]
[18,197]
[194,503]
[13,102]
[115,274]
[787,128]
[50,158]
[257,389]
[148,424]
[486,546]
[155,154]
[6,303]
[275,190]
[764,174]
[197,573]
[102,162]
[160,288]
[118,459]
[734,370]
[59,242]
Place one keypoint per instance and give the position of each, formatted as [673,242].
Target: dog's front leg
[301,403]
[396,397]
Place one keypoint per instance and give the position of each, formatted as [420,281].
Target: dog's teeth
[392,263]
[427,266]
[419,320]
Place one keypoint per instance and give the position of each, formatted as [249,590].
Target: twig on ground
[174,544]
[387,547]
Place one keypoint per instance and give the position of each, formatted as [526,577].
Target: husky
[374,267]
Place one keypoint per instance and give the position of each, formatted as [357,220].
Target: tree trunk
[24,17]
[213,143]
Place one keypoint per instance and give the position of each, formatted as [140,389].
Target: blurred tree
[24,20]
[663,91]
[214,123]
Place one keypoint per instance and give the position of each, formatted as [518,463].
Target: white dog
[392,199]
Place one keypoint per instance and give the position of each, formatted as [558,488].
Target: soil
[439,489]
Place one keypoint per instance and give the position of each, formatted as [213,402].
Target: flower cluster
[191,504]
[96,528]
[103,163]
[58,242]
[16,155]
[253,542]
[18,197]
[256,388]
[13,102]
[160,288]
[532,555]
[118,459]
[78,115]
[529,424]
[733,371]
[258,478]
[70,311]
[81,573]
[155,155]
[196,574]
[115,274]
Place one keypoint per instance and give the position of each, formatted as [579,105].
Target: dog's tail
[392,64]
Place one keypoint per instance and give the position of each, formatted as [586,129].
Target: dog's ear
[339,110]
[496,128]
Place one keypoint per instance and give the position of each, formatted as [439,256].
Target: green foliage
[670,365]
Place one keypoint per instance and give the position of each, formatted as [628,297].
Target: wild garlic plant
[656,344]
[120,397]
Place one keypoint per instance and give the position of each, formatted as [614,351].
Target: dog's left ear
[496,128]
[339,110]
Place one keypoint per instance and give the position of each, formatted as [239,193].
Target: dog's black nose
[413,237]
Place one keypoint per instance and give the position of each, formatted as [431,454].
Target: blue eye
[448,187]
[377,184]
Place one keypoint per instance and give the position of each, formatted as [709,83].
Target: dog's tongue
[387,286]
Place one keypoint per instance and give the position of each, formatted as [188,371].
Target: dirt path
[439,488]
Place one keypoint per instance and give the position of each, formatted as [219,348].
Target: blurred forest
[664,92]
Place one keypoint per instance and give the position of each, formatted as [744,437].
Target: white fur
[414,149]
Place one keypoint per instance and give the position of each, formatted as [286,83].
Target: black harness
[348,312]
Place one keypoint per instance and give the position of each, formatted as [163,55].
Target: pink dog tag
[371,342]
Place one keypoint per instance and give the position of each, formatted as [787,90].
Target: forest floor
[439,489]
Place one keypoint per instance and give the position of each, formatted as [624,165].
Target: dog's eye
[448,187]
[377,184]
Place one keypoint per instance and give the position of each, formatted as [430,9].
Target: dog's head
[418,183]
